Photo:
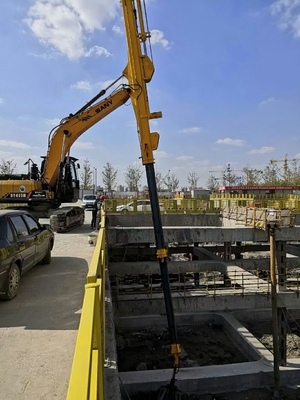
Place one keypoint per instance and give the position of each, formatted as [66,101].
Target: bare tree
[295,173]
[7,167]
[229,177]
[133,176]
[271,175]
[212,183]
[86,175]
[159,180]
[171,181]
[193,179]
[253,176]
[109,177]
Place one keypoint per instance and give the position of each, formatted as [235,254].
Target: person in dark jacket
[98,211]
[94,214]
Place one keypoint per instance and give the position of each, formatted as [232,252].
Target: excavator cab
[67,186]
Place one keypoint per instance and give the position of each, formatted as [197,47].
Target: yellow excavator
[43,190]
[57,181]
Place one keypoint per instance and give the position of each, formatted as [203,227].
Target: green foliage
[109,177]
[86,175]
[133,176]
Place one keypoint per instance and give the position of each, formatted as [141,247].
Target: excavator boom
[73,127]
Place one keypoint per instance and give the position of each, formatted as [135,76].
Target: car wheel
[13,282]
[47,258]
[125,211]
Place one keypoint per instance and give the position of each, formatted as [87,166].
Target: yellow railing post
[87,374]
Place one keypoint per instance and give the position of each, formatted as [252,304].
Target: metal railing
[126,205]
[87,374]
[259,217]
[216,203]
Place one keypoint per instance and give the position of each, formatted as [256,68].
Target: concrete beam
[139,219]
[204,254]
[141,304]
[185,234]
[174,267]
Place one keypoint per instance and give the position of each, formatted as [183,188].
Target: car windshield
[89,197]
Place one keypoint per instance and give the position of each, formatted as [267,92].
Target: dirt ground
[263,332]
[200,345]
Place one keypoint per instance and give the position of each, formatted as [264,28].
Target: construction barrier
[87,374]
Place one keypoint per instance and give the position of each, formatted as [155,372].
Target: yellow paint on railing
[87,374]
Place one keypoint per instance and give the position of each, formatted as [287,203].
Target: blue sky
[227,81]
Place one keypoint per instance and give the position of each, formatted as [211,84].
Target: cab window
[32,224]
[20,226]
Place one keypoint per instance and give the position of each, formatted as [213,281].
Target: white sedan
[141,205]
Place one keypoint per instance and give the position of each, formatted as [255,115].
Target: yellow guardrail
[87,374]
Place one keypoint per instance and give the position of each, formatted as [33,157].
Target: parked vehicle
[88,201]
[24,242]
[141,205]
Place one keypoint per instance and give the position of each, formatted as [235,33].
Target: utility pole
[272,231]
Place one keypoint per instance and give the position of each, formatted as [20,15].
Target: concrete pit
[201,345]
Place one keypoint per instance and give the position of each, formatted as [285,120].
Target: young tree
[109,177]
[212,183]
[229,177]
[86,175]
[295,173]
[133,176]
[159,180]
[253,176]
[271,175]
[7,167]
[193,179]
[171,181]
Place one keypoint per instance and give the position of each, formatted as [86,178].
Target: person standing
[98,212]
[94,213]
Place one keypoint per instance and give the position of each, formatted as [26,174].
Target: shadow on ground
[50,296]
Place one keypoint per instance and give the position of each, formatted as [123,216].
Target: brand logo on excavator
[104,106]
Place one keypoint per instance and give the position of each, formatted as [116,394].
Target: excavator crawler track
[65,219]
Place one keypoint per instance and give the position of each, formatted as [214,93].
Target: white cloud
[11,143]
[84,145]
[267,101]
[153,122]
[157,37]
[161,154]
[184,158]
[297,156]
[194,129]
[231,142]
[117,29]
[82,85]
[53,121]
[288,12]
[1,100]
[65,25]
[262,150]
[98,51]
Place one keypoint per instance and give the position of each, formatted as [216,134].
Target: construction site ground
[200,345]
[263,332]
[38,329]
